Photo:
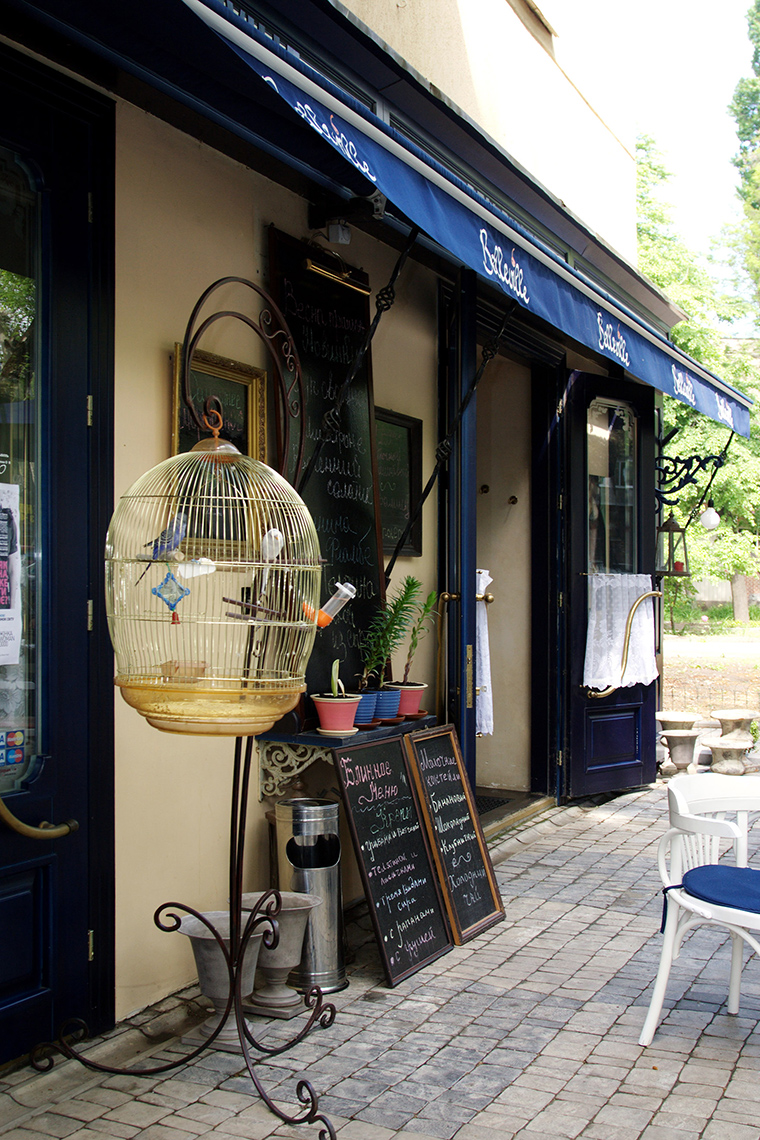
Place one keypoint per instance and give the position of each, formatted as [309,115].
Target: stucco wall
[504,547]
[185,216]
[559,113]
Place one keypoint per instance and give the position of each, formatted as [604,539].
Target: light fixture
[709,519]
[672,560]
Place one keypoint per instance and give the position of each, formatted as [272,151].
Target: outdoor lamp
[672,559]
[709,519]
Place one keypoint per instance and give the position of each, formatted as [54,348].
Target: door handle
[626,643]
[44,830]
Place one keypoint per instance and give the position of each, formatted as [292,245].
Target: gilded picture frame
[242,391]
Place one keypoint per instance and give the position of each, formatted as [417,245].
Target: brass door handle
[626,644]
[45,830]
[487,598]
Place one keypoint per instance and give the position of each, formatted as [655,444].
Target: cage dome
[212,590]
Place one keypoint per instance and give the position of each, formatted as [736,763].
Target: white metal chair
[699,888]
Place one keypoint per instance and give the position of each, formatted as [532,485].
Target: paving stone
[52,1124]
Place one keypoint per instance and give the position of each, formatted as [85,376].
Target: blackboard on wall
[328,320]
[394,859]
[399,473]
[466,875]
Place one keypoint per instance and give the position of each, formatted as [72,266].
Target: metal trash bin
[308,860]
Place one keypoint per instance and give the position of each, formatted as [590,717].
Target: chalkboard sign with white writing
[329,320]
[461,856]
[393,856]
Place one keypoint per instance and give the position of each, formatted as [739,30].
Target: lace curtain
[610,599]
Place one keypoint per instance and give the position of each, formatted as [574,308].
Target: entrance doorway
[56,735]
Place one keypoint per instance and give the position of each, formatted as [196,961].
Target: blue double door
[56,732]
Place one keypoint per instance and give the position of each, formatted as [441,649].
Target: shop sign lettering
[510,273]
[682,386]
[611,340]
[725,411]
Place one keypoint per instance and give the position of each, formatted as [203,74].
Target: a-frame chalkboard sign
[394,858]
[464,867]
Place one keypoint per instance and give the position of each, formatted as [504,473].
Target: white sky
[692,53]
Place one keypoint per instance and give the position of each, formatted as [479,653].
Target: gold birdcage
[212,588]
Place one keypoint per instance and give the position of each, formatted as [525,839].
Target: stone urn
[676,721]
[733,720]
[681,743]
[729,752]
[272,996]
[213,976]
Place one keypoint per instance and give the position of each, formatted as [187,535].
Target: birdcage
[212,588]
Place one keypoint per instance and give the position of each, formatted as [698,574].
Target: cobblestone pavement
[528,1031]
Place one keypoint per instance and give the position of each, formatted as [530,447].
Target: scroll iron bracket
[626,644]
[45,830]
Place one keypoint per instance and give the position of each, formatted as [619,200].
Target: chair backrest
[698,825]
[710,792]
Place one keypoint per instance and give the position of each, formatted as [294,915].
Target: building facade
[150,150]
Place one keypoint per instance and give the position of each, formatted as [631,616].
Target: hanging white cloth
[610,599]
[484,696]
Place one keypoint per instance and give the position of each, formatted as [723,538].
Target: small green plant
[425,611]
[388,629]
[335,681]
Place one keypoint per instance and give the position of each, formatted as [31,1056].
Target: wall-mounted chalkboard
[393,856]
[470,893]
[328,319]
[399,473]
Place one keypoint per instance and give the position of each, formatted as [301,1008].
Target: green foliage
[388,629]
[736,487]
[17,308]
[420,627]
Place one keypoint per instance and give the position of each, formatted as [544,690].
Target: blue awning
[475,231]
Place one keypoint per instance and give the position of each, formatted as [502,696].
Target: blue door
[608,529]
[56,155]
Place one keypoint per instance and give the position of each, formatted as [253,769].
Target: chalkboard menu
[329,319]
[393,856]
[461,856]
[399,472]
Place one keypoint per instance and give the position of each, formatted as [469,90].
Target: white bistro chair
[698,888]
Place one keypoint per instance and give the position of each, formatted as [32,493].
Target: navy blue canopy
[474,230]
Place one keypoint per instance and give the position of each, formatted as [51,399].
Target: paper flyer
[10,575]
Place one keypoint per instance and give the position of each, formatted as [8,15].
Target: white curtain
[610,599]
[484,698]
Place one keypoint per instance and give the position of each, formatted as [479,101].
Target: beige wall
[504,435]
[560,115]
[185,216]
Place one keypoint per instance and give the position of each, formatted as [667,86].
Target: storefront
[150,155]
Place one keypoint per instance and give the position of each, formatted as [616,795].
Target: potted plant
[336,710]
[411,691]
[386,632]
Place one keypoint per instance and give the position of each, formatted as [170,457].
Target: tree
[663,257]
[745,109]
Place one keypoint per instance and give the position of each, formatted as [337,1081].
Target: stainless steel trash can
[308,860]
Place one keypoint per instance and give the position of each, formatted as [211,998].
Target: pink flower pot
[411,695]
[336,714]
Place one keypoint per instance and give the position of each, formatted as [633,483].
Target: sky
[692,53]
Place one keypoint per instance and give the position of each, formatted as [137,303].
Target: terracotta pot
[336,714]
[411,695]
